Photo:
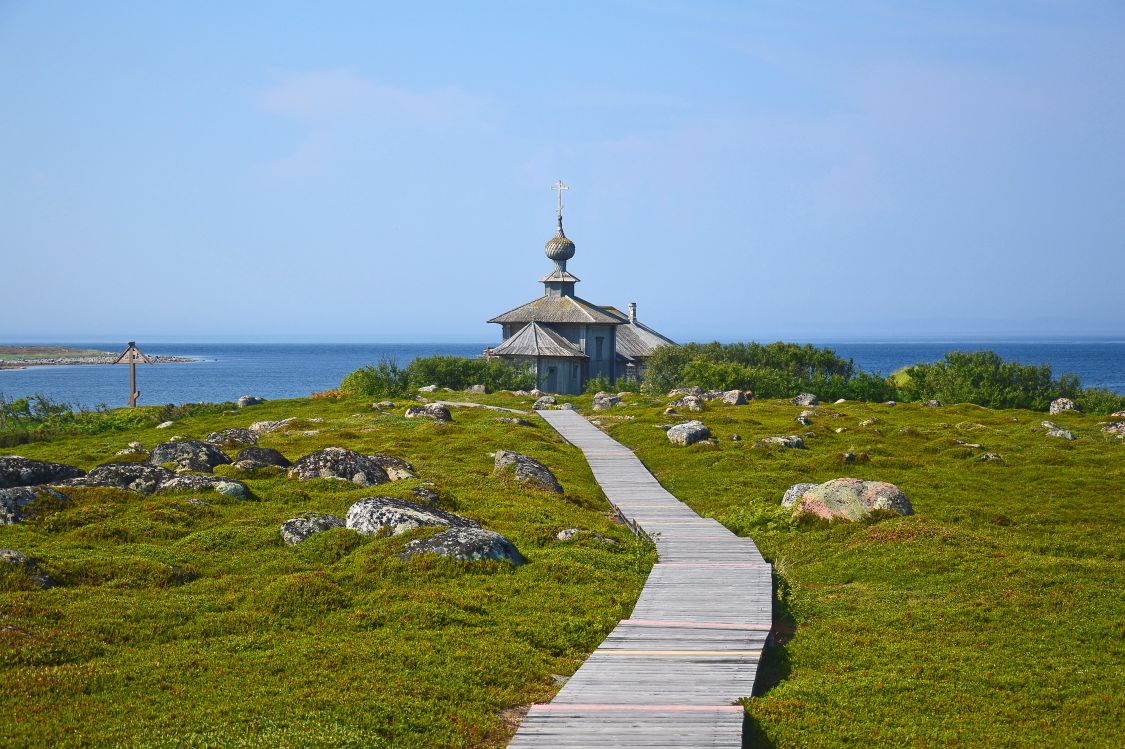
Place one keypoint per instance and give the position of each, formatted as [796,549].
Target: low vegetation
[180,624]
[388,379]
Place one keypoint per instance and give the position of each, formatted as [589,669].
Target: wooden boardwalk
[670,675]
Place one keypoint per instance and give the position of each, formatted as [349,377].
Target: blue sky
[381,172]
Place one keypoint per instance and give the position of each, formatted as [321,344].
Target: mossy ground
[184,625]
[992,617]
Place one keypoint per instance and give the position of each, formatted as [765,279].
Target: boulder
[383,404]
[11,559]
[605,401]
[838,401]
[736,437]
[852,499]
[990,456]
[528,470]
[890,403]
[426,496]
[869,422]
[793,493]
[1065,434]
[1049,424]
[189,455]
[790,440]
[688,403]
[544,401]
[566,406]
[17,471]
[259,457]
[296,530]
[250,400]
[397,469]
[932,404]
[688,433]
[428,389]
[670,411]
[339,463]
[200,482]
[137,477]
[697,392]
[466,544]
[710,395]
[804,421]
[569,534]
[372,515]
[477,389]
[232,437]
[1118,415]
[165,424]
[1058,405]
[1117,427]
[514,421]
[261,427]
[733,398]
[434,411]
[15,500]
[535,392]
[805,399]
[808,413]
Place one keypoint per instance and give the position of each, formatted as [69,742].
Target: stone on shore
[688,403]
[434,411]
[851,499]
[233,437]
[199,482]
[790,440]
[527,470]
[397,469]
[138,477]
[544,402]
[697,392]
[805,399]
[17,471]
[339,463]
[733,398]
[261,427]
[688,433]
[188,455]
[1058,405]
[606,401]
[250,400]
[374,515]
[476,389]
[466,544]
[296,530]
[250,458]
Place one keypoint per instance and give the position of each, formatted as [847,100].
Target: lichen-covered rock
[697,392]
[339,463]
[805,399]
[566,406]
[466,544]
[250,400]
[476,389]
[137,477]
[428,389]
[688,433]
[261,427]
[804,421]
[397,469]
[232,437]
[189,455]
[990,456]
[10,559]
[296,530]
[1058,405]
[852,499]
[528,470]
[259,457]
[165,424]
[569,534]
[733,398]
[435,411]
[605,401]
[198,482]
[133,448]
[793,493]
[789,440]
[1117,427]
[17,471]
[688,403]
[869,422]
[15,500]
[544,401]
[373,515]
[514,421]
[1065,434]
[426,496]
[932,404]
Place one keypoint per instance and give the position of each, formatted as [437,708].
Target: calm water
[225,371]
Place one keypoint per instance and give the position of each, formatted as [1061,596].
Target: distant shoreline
[24,357]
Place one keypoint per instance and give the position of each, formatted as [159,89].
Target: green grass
[992,617]
[180,625]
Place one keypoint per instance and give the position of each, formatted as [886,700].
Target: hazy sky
[381,171]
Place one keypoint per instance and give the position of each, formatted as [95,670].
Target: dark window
[598,347]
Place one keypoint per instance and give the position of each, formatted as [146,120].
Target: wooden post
[131,356]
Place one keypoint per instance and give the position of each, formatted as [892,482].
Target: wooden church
[567,340]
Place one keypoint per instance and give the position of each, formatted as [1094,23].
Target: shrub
[455,372]
[384,379]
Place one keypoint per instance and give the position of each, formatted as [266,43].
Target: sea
[224,371]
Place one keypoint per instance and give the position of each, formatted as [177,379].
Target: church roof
[535,340]
[560,309]
[637,340]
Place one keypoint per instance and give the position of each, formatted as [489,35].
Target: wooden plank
[670,674]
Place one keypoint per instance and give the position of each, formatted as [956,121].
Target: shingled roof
[535,340]
[637,340]
[560,309]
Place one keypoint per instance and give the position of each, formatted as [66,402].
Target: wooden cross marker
[131,356]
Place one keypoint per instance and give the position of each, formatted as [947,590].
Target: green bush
[455,372]
[383,379]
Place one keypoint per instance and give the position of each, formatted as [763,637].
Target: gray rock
[790,440]
[809,413]
[514,421]
[17,471]
[851,499]
[804,421]
[970,445]
[397,469]
[189,455]
[605,401]
[133,448]
[890,403]
[528,470]
[840,400]
[466,544]
[736,438]
[1118,415]
[428,389]
[697,392]
[568,534]
[932,404]
[1058,405]
[339,463]
[232,437]
[1049,424]
[165,424]
[1117,427]
[260,457]
[869,422]
[137,477]
[710,395]
[261,427]
[670,411]
[687,403]
[383,404]
[733,398]
[848,457]
[986,457]
[805,399]
[199,482]
[373,515]
[544,401]
[15,500]
[250,400]
[434,411]
[296,530]
[477,389]
[1065,434]
[535,392]
[793,493]
[688,433]
[566,406]
[426,496]
[840,430]
[13,559]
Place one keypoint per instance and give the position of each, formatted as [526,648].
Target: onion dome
[559,248]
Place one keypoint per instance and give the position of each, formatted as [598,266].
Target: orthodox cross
[131,356]
[558,187]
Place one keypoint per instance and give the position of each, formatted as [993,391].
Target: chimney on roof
[632,311]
